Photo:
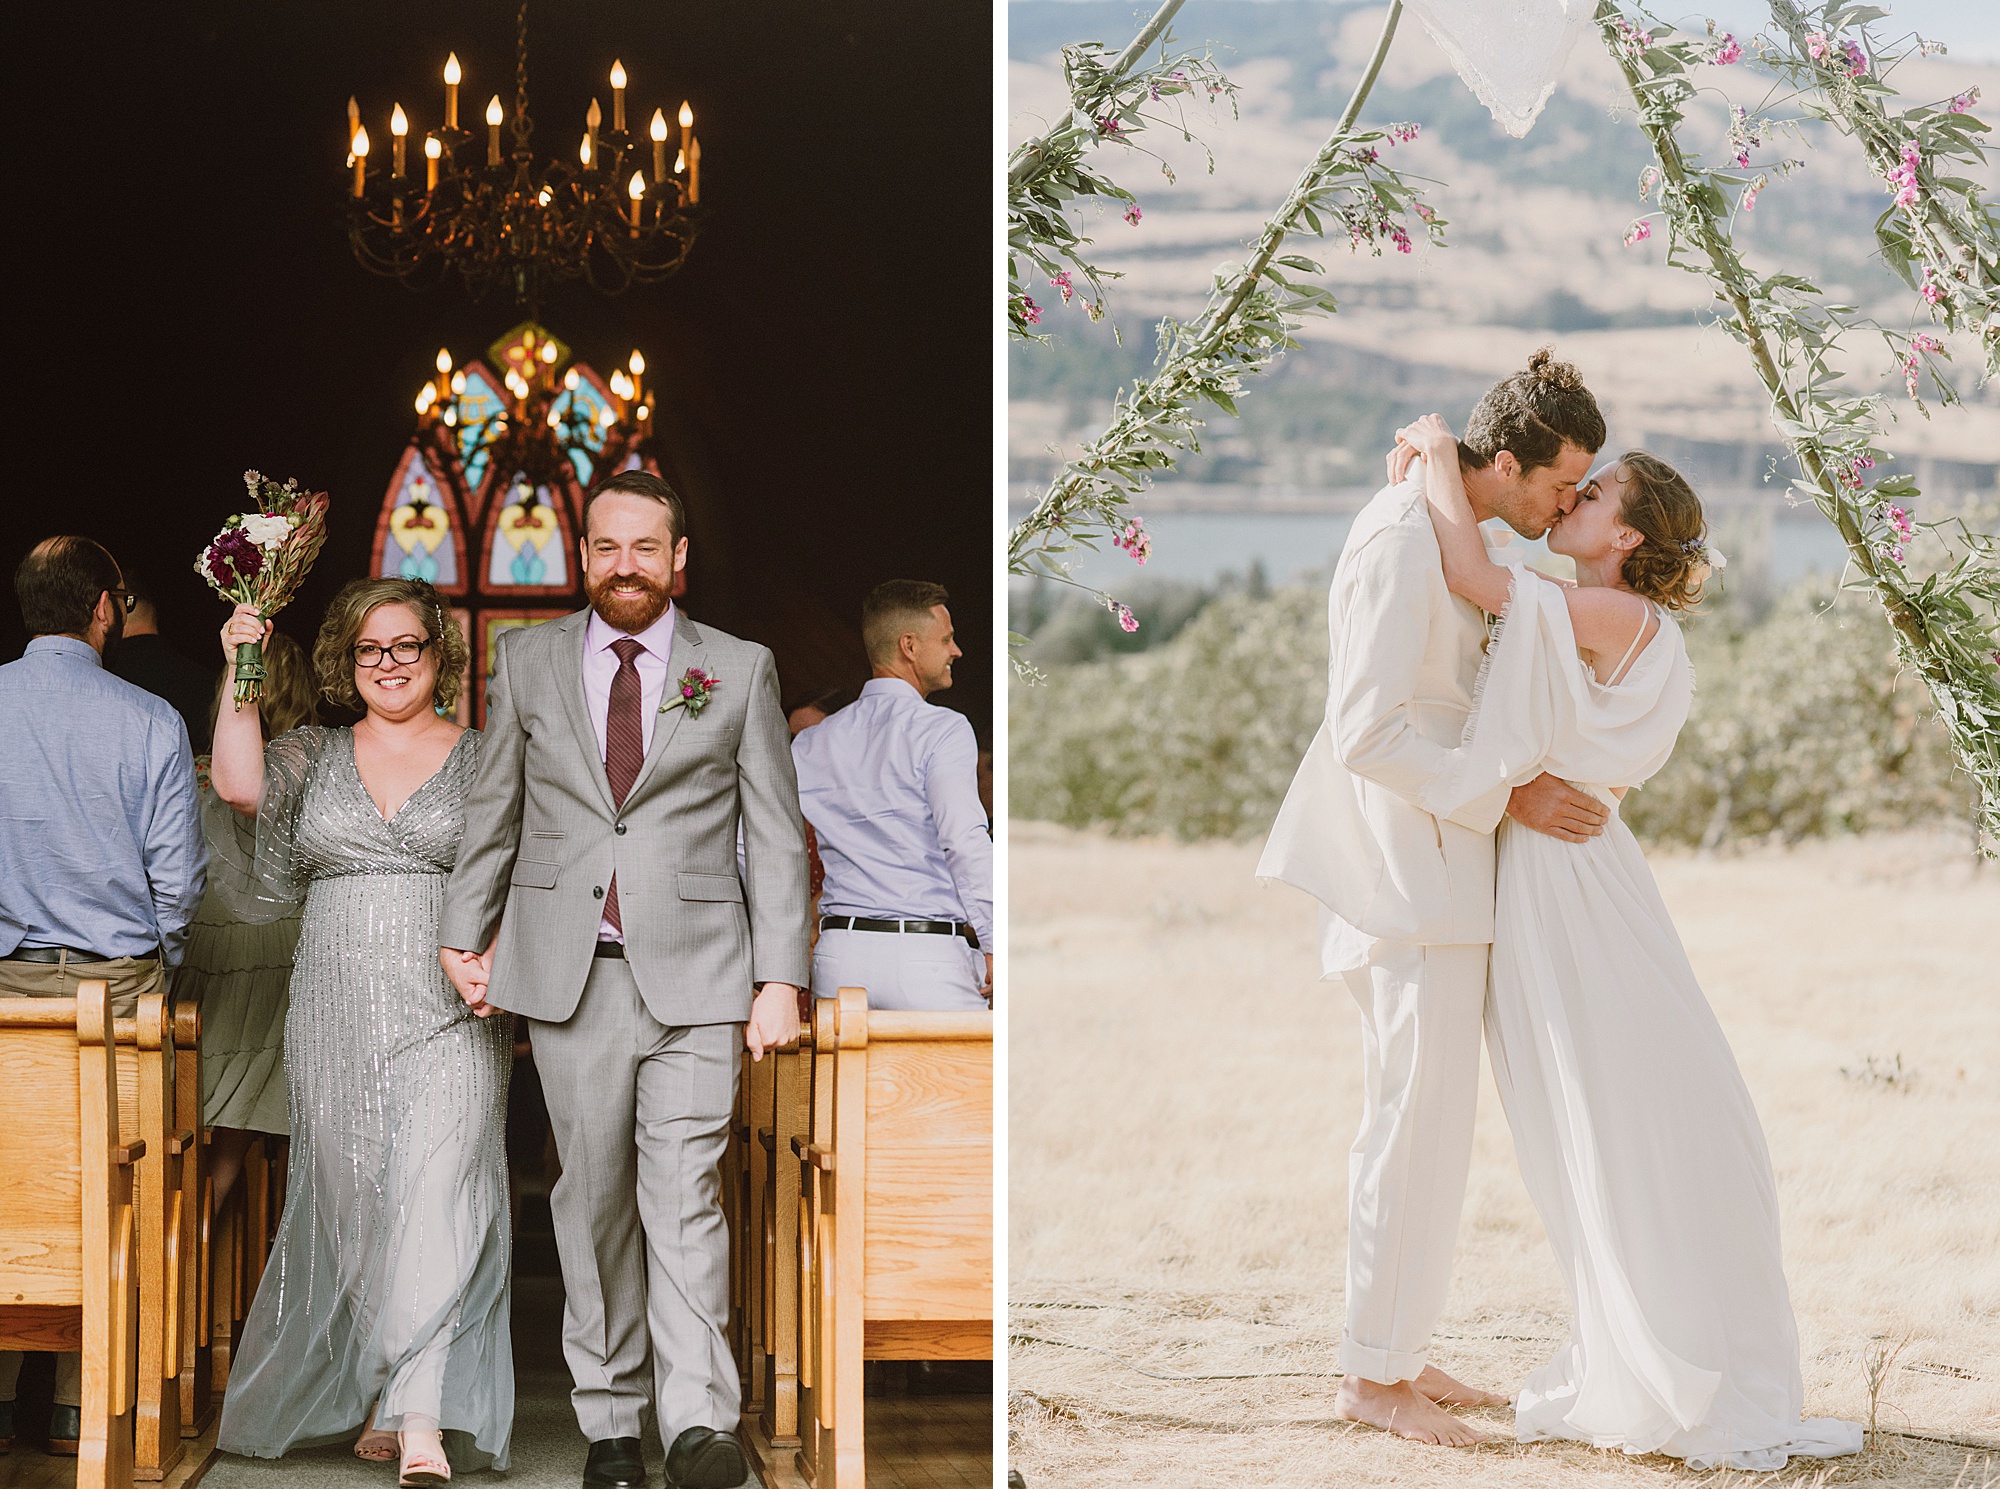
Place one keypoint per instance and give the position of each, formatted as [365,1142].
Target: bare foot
[1445,1391]
[1403,1410]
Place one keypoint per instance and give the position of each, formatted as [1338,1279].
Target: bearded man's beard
[629,613]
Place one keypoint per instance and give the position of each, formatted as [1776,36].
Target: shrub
[1801,726]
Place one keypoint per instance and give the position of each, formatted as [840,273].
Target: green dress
[241,976]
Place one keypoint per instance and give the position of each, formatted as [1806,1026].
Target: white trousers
[1420,1029]
[900,969]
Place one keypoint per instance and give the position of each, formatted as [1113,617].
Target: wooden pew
[783,1112]
[69,1263]
[900,1178]
[147,1078]
[197,1393]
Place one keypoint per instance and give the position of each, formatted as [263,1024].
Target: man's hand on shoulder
[774,1019]
[1554,807]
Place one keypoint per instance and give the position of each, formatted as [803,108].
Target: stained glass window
[497,537]
[419,535]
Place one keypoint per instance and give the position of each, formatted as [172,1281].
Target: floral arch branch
[1938,235]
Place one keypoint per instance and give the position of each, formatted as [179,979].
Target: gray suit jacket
[542,838]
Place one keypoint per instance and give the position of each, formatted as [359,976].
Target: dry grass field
[1184,1091]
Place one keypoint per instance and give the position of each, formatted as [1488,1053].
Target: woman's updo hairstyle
[1671,562]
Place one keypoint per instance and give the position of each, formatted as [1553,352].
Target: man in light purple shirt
[891,786]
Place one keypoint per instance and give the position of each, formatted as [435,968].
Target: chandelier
[502,220]
[547,420]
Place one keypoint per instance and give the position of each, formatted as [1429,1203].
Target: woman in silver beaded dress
[385,1299]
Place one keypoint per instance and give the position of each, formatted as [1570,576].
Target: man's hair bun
[1544,369]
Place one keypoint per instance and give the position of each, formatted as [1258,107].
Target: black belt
[611,949]
[908,927]
[54,954]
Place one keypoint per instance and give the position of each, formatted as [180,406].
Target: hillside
[1535,253]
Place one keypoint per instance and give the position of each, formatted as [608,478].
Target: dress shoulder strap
[1648,628]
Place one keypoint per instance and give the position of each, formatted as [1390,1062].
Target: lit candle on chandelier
[691,152]
[638,365]
[399,130]
[494,114]
[618,96]
[592,120]
[451,76]
[583,152]
[636,189]
[432,151]
[360,159]
[353,123]
[658,130]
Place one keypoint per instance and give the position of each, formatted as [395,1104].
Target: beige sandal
[376,1446]
[422,1469]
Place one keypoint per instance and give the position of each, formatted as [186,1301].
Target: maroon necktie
[624,745]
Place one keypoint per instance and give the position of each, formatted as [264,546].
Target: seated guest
[889,786]
[818,709]
[239,972]
[143,658]
[101,853]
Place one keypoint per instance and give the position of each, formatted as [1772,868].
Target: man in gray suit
[598,894]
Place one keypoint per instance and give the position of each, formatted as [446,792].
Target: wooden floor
[28,1467]
[930,1442]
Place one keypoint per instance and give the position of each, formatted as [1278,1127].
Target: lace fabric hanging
[1508,52]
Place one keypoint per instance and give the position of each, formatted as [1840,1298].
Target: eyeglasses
[126,598]
[403,653]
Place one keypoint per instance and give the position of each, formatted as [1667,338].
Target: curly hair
[290,689]
[333,652]
[1670,565]
[1534,414]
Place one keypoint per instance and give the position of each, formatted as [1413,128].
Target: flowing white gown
[1636,1135]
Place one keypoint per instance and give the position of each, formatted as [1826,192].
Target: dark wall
[183,304]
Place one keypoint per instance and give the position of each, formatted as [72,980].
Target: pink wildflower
[1904,176]
[1127,621]
[1030,311]
[1402,134]
[1926,343]
[1816,45]
[1133,214]
[1109,127]
[1856,59]
[1963,101]
[1638,232]
[1062,282]
[1400,238]
[1648,179]
[1749,202]
[1135,540]
[1729,53]
[1930,289]
[1423,210]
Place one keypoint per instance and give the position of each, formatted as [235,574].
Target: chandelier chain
[523,126]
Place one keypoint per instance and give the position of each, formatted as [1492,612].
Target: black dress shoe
[702,1458]
[65,1430]
[614,1463]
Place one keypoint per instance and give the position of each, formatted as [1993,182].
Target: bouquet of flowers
[260,558]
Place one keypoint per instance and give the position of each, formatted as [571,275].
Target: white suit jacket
[1405,661]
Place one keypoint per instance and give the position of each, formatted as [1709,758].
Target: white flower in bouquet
[267,531]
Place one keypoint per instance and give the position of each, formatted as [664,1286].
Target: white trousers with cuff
[1421,1012]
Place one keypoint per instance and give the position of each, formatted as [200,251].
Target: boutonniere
[692,691]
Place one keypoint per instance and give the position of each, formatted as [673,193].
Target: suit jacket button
[597,892]
[619,829]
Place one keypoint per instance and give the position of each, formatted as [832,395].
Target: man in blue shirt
[101,853]
[890,785]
